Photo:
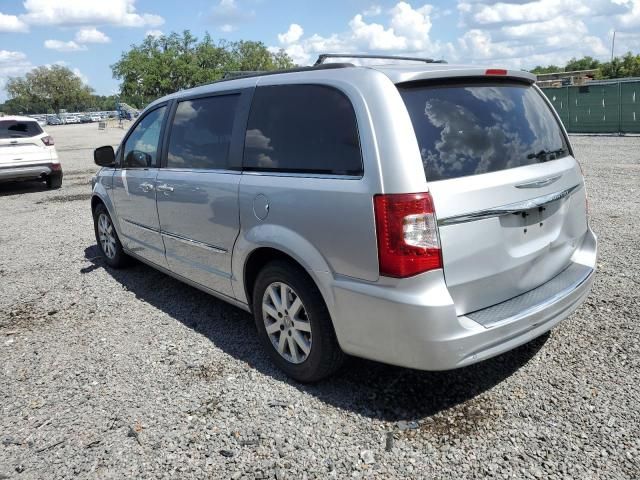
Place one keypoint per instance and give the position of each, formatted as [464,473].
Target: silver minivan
[424,215]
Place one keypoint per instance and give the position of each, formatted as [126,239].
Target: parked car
[428,216]
[54,120]
[95,117]
[72,119]
[27,152]
[85,119]
[40,119]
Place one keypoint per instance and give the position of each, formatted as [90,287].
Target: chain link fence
[612,107]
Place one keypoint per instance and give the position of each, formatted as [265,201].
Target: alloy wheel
[286,322]
[107,236]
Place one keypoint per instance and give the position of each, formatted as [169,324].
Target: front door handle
[146,187]
[164,188]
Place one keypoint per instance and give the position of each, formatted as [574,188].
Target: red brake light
[407,237]
[48,141]
[495,71]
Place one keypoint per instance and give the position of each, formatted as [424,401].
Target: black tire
[119,259]
[54,181]
[325,356]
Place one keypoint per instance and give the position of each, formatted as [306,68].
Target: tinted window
[19,129]
[482,127]
[141,148]
[201,133]
[302,128]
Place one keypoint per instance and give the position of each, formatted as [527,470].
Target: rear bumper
[412,322]
[29,171]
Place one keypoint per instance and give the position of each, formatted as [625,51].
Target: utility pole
[613,43]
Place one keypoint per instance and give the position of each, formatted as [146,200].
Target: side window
[201,133]
[141,148]
[302,128]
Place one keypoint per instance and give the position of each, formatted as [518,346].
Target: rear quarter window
[19,129]
[302,129]
[481,127]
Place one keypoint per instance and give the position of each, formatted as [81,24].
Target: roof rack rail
[324,56]
[241,73]
[236,74]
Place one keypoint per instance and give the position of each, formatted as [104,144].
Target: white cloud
[522,34]
[83,78]
[540,10]
[477,43]
[87,12]
[631,18]
[413,24]
[626,42]
[227,28]
[11,23]
[403,29]
[12,62]
[91,35]
[292,35]
[153,33]
[374,36]
[513,33]
[61,46]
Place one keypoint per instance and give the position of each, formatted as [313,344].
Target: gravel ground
[116,374]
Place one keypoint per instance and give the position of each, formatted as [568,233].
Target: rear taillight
[495,71]
[48,141]
[407,236]
[56,166]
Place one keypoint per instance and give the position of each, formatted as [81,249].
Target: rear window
[302,128]
[481,127]
[19,129]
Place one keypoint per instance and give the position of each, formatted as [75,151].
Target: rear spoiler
[455,74]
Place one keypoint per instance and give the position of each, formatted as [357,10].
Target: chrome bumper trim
[510,208]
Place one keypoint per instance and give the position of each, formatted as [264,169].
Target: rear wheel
[294,324]
[54,181]
[107,238]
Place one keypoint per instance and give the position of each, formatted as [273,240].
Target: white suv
[27,152]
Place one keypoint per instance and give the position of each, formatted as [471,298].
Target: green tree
[48,89]
[585,63]
[620,67]
[549,69]
[625,66]
[165,64]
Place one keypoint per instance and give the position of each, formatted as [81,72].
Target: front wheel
[294,324]
[107,238]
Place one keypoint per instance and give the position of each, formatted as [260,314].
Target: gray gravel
[115,374]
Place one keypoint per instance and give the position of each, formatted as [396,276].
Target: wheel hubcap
[286,322]
[106,234]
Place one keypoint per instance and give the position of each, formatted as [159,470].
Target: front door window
[141,148]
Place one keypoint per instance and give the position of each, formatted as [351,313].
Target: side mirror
[104,156]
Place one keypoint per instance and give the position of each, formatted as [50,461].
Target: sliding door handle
[164,188]
[146,187]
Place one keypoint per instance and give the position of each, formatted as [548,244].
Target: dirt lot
[116,374]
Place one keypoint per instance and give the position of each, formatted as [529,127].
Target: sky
[90,35]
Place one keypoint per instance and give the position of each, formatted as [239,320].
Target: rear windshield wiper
[546,155]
